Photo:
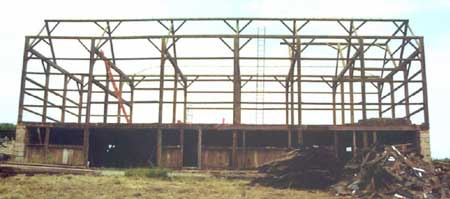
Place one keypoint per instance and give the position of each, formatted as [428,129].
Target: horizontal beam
[248,103]
[217,36]
[227,18]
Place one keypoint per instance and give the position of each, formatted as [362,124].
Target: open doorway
[122,147]
[190,149]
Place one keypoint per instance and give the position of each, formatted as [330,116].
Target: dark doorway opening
[190,149]
[122,147]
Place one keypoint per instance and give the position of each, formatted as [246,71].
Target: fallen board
[8,169]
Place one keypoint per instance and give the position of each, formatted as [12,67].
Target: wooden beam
[236,84]
[159,135]
[161,82]
[199,148]
[234,150]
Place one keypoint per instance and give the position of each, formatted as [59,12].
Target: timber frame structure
[332,74]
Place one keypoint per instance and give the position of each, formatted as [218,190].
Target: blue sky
[427,18]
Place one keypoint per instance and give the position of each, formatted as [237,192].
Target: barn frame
[218,93]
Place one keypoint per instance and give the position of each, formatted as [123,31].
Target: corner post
[23,79]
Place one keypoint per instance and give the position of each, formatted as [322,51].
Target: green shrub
[443,160]
[7,126]
[155,172]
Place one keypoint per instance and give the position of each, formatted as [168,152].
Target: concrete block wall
[19,145]
[424,141]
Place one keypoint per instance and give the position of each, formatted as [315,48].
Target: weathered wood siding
[216,158]
[57,154]
[252,158]
[171,157]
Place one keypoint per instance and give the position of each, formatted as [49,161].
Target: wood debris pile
[384,172]
[4,156]
[313,167]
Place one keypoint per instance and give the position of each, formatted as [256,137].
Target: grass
[156,172]
[138,186]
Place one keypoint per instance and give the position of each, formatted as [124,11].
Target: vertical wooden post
[86,135]
[64,99]
[392,93]
[159,147]
[295,51]
[46,142]
[23,79]
[80,100]
[88,105]
[342,103]
[424,84]
[354,144]
[289,142]
[46,87]
[289,130]
[334,104]
[113,56]
[405,73]
[181,145]
[161,82]
[234,149]
[236,96]
[300,139]
[352,108]
[236,85]
[174,101]
[119,113]
[336,144]
[244,149]
[185,104]
[199,149]
[299,96]
[363,79]
[363,91]
[380,110]
[106,98]
[374,137]
[365,139]
[175,86]
[131,100]
[160,105]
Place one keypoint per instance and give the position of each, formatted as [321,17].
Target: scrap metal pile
[377,172]
[312,167]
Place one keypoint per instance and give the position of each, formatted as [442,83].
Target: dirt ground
[87,186]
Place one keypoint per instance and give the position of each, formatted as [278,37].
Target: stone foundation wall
[424,141]
[19,145]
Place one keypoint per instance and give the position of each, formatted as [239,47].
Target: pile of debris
[4,156]
[312,167]
[4,172]
[384,172]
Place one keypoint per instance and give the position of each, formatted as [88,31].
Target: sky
[427,18]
